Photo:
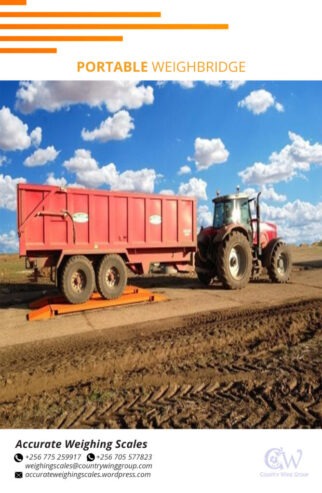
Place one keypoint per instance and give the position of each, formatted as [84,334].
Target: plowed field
[237,368]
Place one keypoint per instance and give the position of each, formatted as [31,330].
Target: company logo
[80,217]
[277,459]
[155,219]
[283,463]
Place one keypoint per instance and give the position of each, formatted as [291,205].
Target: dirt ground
[206,358]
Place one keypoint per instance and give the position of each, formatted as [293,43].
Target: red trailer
[88,237]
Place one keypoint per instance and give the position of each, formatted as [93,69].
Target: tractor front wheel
[234,261]
[279,269]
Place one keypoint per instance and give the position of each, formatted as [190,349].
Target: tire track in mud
[244,369]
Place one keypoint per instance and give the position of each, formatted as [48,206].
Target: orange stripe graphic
[114,26]
[61,38]
[73,26]
[13,2]
[28,50]
[80,14]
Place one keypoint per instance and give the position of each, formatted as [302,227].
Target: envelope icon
[18,474]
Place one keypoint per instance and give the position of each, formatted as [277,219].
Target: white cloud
[235,84]
[293,159]
[267,193]
[36,136]
[3,160]
[60,182]
[14,133]
[191,84]
[167,191]
[186,84]
[279,107]
[194,188]
[251,192]
[90,174]
[260,173]
[54,95]
[8,191]
[297,221]
[214,83]
[259,101]
[8,242]
[184,170]
[141,181]
[297,213]
[41,157]
[81,161]
[209,152]
[204,216]
[116,127]
[56,182]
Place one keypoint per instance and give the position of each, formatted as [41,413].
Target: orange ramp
[51,306]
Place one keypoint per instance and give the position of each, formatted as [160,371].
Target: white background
[183,461]
[279,40]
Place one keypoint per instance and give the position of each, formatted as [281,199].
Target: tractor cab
[232,209]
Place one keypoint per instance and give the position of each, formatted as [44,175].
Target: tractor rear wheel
[77,279]
[205,274]
[279,269]
[111,276]
[234,261]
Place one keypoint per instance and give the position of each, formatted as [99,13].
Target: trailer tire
[279,269]
[77,279]
[111,277]
[234,261]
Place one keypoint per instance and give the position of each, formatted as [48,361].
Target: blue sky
[189,138]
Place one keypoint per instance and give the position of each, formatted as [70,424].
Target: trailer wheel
[234,261]
[280,266]
[77,279]
[111,277]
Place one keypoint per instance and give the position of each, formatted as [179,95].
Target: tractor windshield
[233,211]
[223,214]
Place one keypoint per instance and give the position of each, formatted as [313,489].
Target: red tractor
[237,246]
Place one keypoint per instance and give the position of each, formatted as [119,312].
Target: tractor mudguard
[204,238]
[226,230]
